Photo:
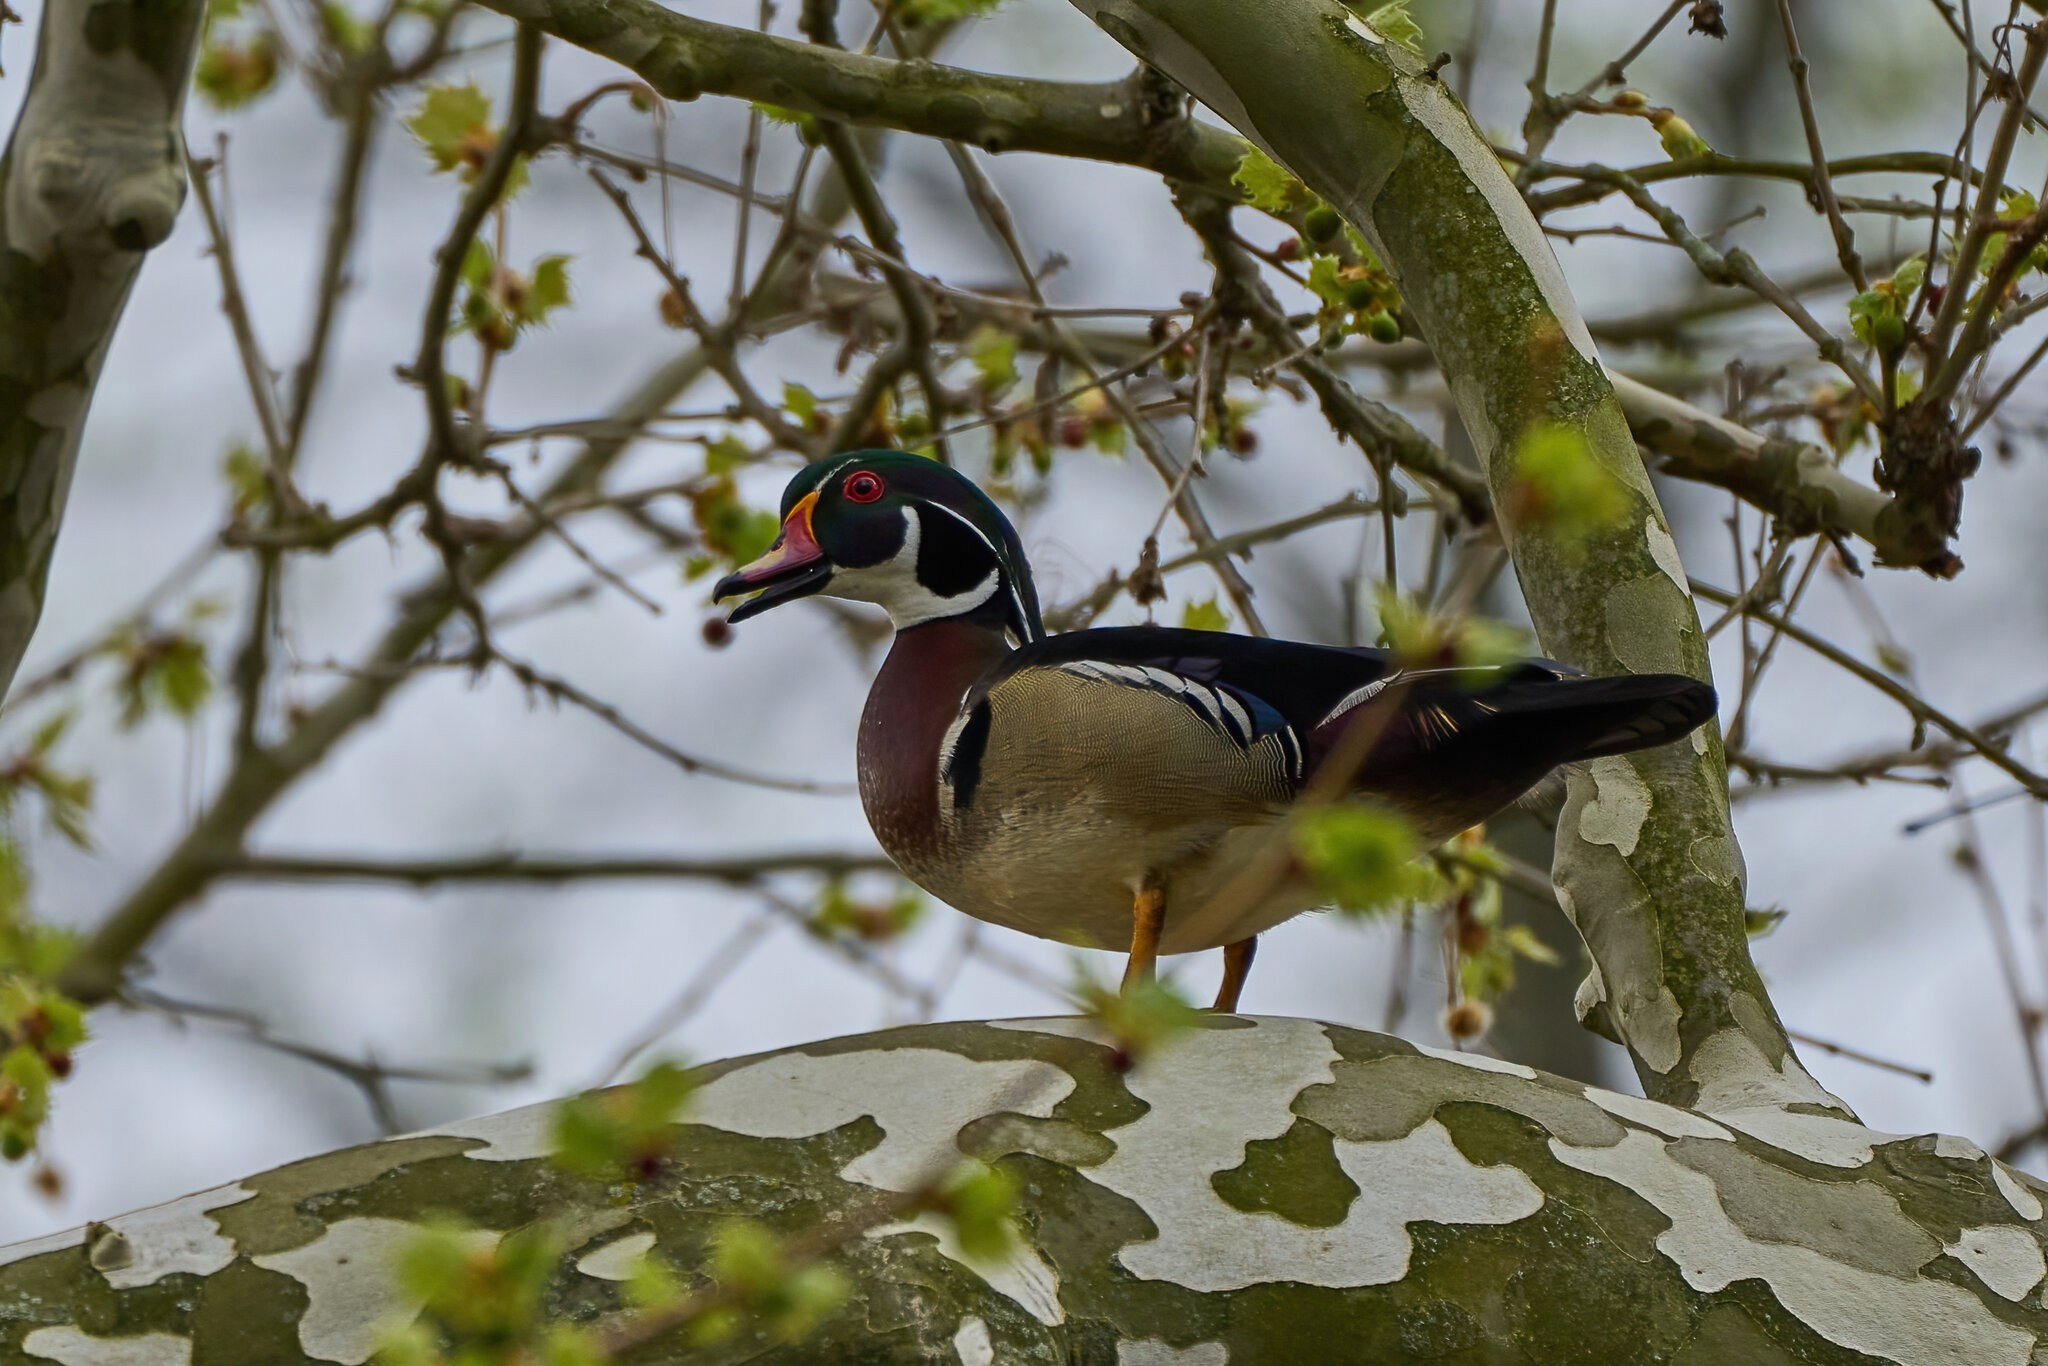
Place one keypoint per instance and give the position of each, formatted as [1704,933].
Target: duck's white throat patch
[893,584]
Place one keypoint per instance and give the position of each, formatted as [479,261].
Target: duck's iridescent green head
[897,530]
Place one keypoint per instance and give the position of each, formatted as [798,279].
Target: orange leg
[1148,918]
[1237,965]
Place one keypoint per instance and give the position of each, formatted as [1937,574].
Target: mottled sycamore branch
[93,177]
[1251,1192]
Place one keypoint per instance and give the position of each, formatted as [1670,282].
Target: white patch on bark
[1817,1138]
[1616,814]
[2023,1201]
[142,1248]
[1740,1088]
[618,1259]
[1956,1148]
[2006,1259]
[971,1344]
[36,1247]
[1021,1275]
[1364,30]
[1699,740]
[1650,1024]
[1640,1006]
[1664,551]
[1917,1322]
[1480,1062]
[70,1347]
[1433,106]
[1213,1091]
[1160,1352]
[353,1294]
[920,1098]
[1590,996]
[1649,1114]
[512,1136]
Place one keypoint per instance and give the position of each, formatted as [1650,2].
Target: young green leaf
[943,11]
[547,289]
[1559,484]
[230,74]
[347,30]
[1876,317]
[453,124]
[1394,23]
[1677,136]
[993,353]
[1362,858]
[800,403]
[980,1199]
[1267,184]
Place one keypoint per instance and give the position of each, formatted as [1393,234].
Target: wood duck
[1129,784]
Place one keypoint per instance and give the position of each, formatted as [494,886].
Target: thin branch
[1738,267]
[362,113]
[1823,183]
[1921,710]
[367,1074]
[1985,216]
[512,867]
[562,690]
[695,994]
[430,368]
[914,351]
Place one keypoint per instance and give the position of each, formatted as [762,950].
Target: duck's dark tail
[1454,755]
[1579,718]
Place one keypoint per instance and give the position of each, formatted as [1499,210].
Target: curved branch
[93,178]
[684,58]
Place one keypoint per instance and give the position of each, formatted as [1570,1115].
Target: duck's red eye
[863,486]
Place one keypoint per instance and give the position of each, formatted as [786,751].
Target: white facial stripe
[894,586]
[1016,596]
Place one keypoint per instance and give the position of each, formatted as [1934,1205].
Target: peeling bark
[93,178]
[1257,1191]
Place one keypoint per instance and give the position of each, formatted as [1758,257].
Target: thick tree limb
[684,58]
[1253,1192]
[93,178]
[1795,481]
